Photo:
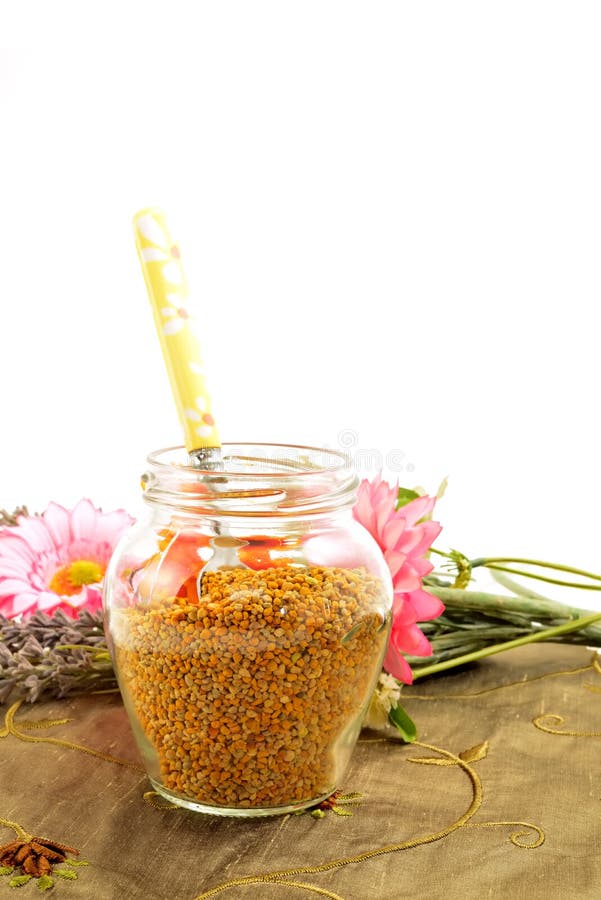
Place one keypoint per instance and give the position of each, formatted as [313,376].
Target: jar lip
[339,461]
[256,479]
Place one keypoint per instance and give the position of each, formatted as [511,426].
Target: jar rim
[254,479]
[339,460]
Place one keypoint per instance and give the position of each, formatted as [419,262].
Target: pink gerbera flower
[57,560]
[404,535]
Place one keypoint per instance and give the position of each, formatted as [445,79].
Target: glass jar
[247,622]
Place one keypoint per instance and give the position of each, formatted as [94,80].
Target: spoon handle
[168,292]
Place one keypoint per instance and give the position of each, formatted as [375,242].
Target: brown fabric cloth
[528,775]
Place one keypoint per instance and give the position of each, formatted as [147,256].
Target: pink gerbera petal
[57,521]
[112,523]
[410,639]
[14,546]
[403,612]
[405,537]
[364,510]
[33,530]
[418,509]
[422,566]
[385,510]
[93,599]
[48,600]
[425,605]
[83,521]
[14,567]
[395,562]
[406,579]
[423,647]
[18,604]
[37,554]
[393,530]
[429,533]
[12,586]
[396,664]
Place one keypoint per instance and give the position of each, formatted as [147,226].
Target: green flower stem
[491,604]
[490,561]
[442,655]
[547,635]
[517,588]
[545,578]
[492,634]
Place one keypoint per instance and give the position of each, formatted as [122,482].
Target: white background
[389,219]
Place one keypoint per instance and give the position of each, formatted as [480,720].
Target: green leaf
[341,811]
[19,880]
[78,862]
[405,496]
[403,723]
[65,873]
[6,870]
[45,883]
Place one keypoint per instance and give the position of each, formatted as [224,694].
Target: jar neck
[252,480]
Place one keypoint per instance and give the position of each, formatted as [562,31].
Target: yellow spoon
[168,292]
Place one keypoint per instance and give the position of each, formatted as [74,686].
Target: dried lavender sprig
[11,519]
[60,628]
[56,656]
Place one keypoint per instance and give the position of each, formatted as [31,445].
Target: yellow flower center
[69,580]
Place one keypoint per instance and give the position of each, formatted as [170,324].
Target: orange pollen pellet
[249,700]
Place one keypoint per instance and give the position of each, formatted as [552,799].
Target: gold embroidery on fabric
[323,892]
[10,728]
[27,724]
[444,758]
[336,803]
[597,668]
[531,837]
[594,665]
[18,829]
[35,857]
[539,723]
[515,836]
[153,798]
[473,754]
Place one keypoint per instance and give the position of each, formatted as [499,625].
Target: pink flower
[57,560]
[404,536]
